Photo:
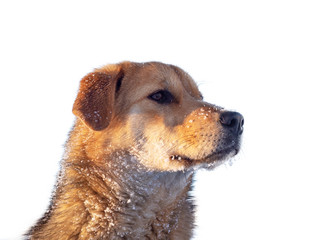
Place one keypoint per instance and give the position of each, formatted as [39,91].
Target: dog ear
[94,103]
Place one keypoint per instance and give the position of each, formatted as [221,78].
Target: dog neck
[125,197]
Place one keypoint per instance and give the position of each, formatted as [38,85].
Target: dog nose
[233,121]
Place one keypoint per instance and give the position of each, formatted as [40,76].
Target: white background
[255,57]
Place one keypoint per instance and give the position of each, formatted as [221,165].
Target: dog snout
[233,121]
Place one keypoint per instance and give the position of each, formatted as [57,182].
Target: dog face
[156,113]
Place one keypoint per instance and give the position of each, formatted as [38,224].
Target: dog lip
[217,155]
[180,158]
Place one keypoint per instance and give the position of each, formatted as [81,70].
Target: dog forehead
[157,76]
[188,82]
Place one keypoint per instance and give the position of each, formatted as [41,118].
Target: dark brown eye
[162,97]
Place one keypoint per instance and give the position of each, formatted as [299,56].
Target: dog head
[156,113]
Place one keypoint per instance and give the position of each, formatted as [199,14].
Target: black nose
[233,121]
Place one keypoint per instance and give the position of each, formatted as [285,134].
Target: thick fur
[129,161]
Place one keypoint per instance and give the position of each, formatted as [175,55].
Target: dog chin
[219,159]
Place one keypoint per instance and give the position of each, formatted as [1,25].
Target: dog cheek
[151,144]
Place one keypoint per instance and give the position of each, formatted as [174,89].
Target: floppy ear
[94,103]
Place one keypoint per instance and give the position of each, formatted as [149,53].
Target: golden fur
[129,161]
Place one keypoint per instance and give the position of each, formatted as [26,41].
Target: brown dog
[141,131]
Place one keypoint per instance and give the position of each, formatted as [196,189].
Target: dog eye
[162,97]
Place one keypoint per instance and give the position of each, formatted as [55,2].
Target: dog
[142,130]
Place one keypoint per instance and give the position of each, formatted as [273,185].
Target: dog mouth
[209,160]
